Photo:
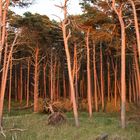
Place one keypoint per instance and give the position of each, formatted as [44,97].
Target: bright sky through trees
[47,7]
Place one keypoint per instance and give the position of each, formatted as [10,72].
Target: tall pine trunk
[88,75]
[36,80]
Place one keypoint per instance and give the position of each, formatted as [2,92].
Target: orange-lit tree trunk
[82,88]
[137,69]
[64,86]
[28,84]
[3,14]
[133,87]
[136,25]
[88,75]
[21,85]
[108,81]
[130,91]
[136,85]
[36,79]
[75,72]
[16,92]
[10,86]
[115,85]
[66,38]
[51,78]
[44,79]
[54,79]
[95,78]
[123,46]
[58,88]
[6,63]
[102,79]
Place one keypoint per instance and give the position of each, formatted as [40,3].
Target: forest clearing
[73,77]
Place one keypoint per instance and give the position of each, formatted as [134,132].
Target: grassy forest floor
[36,128]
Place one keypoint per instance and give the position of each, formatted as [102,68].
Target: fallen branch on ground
[2,132]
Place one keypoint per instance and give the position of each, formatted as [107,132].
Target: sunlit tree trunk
[136,85]
[36,80]
[123,65]
[137,70]
[108,81]
[44,80]
[66,38]
[76,72]
[6,63]
[51,78]
[10,86]
[136,25]
[58,80]
[130,91]
[16,90]
[64,86]
[101,76]
[99,92]
[3,14]
[95,78]
[82,87]
[123,80]
[28,84]
[115,85]
[54,80]
[134,90]
[88,75]
[21,85]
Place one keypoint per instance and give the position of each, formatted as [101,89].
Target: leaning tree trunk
[66,38]
[6,63]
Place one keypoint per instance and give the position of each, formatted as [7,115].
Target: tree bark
[95,78]
[123,64]
[66,37]
[102,79]
[136,26]
[10,86]
[44,79]
[28,84]
[36,80]
[88,75]
[4,76]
